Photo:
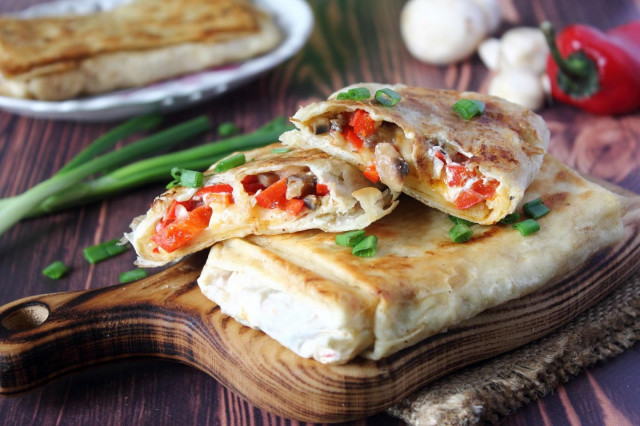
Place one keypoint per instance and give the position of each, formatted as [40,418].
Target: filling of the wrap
[463,186]
[380,145]
[283,193]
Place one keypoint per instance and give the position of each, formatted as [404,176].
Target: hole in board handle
[25,317]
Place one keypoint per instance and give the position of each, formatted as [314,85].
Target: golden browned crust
[26,44]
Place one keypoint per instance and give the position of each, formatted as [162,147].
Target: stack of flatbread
[274,264]
[137,43]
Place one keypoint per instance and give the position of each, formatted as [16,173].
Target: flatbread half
[273,192]
[320,301]
[476,169]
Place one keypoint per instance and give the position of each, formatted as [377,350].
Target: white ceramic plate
[294,17]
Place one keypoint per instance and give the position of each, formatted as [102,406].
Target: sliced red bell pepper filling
[353,138]
[371,173]
[251,184]
[294,206]
[177,229]
[458,174]
[362,123]
[221,194]
[273,196]
[360,126]
[173,232]
[181,230]
[212,189]
[468,199]
[486,188]
[321,189]
[481,189]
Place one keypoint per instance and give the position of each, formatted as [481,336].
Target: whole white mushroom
[492,13]
[442,31]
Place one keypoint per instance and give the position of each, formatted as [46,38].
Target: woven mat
[496,388]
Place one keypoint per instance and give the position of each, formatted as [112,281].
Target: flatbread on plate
[273,192]
[476,169]
[140,42]
[320,301]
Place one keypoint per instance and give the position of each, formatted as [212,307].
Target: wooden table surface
[352,41]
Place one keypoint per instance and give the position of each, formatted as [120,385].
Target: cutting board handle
[44,337]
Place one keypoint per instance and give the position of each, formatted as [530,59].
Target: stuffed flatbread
[476,169]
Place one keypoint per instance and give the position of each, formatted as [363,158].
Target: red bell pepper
[353,138]
[371,173]
[176,234]
[220,194]
[595,71]
[252,184]
[294,206]
[468,199]
[362,123]
[458,174]
[322,189]
[274,196]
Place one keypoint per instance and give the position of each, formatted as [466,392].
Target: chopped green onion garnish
[535,208]
[103,251]
[527,227]
[387,97]
[457,221]
[132,275]
[343,96]
[184,177]
[510,218]
[366,247]
[359,94]
[351,238]
[280,150]
[230,162]
[227,129]
[56,270]
[460,233]
[468,108]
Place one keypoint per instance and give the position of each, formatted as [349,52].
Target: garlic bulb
[524,48]
[489,52]
[518,86]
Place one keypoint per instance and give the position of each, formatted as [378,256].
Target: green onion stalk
[158,169]
[13,209]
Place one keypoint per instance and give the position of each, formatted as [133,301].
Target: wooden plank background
[352,41]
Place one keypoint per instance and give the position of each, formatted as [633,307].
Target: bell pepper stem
[575,69]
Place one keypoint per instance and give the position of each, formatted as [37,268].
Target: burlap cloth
[499,386]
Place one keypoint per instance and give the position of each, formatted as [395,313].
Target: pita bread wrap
[272,192]
[476,169]
[320,301]
[136,43]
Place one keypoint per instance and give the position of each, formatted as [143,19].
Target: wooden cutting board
[166,316]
